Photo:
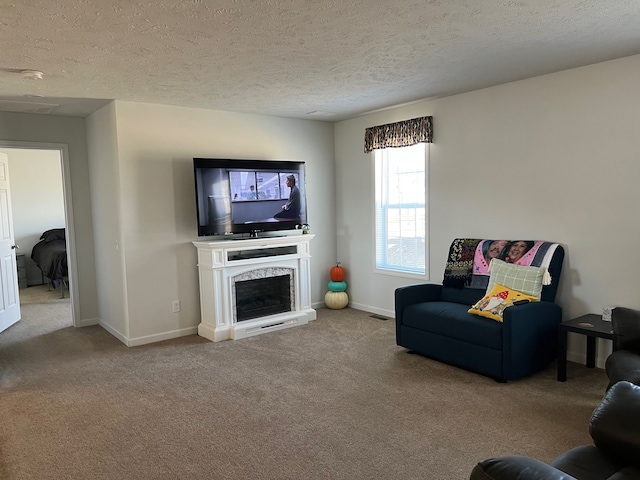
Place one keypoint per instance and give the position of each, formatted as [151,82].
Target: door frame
[72,265]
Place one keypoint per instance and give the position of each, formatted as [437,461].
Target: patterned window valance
[399,134]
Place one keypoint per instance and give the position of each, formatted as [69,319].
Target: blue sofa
[432,320]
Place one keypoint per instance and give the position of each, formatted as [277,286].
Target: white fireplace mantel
[221,263]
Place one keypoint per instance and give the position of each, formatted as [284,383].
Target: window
[400,208]
[257,185]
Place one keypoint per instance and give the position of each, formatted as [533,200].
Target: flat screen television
[248,196]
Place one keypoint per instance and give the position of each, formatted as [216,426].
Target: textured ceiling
[338,58]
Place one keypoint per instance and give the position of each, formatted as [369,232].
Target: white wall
[53,129]
[552,158]
[37,199]
[107,211]
[156,222]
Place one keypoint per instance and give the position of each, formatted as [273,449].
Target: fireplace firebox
[262,296]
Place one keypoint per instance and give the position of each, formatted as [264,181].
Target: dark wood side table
[590,325]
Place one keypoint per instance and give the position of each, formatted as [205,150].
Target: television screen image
[248,196]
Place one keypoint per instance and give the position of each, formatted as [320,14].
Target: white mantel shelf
[222,262]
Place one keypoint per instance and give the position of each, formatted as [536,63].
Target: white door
[9,296]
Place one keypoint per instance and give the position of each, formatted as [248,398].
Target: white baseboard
[377,311]
[88,322]
[137,341]
[572,355]
[183,332]
[114,332]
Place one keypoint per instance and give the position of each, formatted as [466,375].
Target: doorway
[40,202]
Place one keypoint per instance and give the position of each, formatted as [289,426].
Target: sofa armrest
[412,294]
[530,337]
[516,468]
[615,423]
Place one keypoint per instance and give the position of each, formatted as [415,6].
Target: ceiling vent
[32,74]
[26,107]
[320,113]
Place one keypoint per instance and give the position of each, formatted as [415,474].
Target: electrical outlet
[176,306]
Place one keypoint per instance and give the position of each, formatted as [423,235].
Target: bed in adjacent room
[50,255]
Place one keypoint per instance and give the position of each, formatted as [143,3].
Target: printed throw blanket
[459,268]
[469,258]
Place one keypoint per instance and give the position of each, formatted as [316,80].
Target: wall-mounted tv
[248,196]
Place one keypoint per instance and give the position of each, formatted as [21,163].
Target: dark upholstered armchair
[615,429]
[624,362]
[434,321]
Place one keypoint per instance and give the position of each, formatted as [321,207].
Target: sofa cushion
[452,320]
[466,296]
[493,304]
[518,277]
[586,462]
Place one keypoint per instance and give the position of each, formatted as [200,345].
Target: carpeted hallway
[335,399]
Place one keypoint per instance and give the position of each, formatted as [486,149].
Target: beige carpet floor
[335,399]
[44,294]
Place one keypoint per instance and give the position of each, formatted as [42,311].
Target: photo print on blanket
[465,268]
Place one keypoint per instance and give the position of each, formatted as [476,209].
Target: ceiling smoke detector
[32,74]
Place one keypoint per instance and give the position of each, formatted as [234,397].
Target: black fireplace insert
[261,297]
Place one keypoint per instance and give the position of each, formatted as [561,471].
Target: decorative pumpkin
[336,273]
[336,300]
[337,286]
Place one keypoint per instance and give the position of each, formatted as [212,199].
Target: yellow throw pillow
[492,305]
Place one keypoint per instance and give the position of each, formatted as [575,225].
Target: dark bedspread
[51,258]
